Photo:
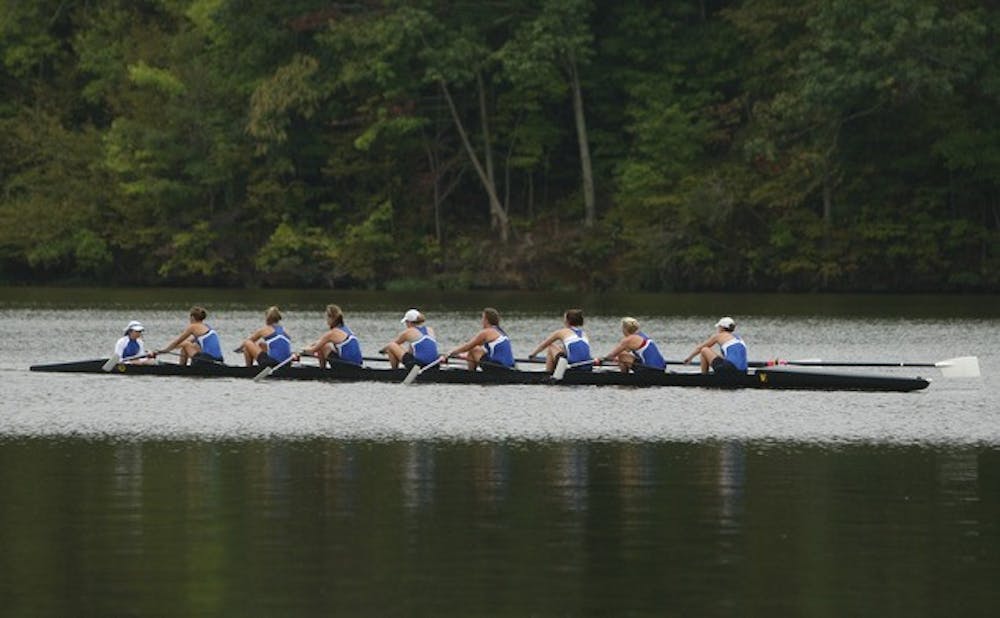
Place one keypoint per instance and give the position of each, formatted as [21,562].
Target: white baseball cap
[726,322]
[411,315]
[134,325]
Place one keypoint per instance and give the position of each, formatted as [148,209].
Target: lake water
[123,496]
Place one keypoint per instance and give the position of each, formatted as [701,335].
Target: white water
[951,411]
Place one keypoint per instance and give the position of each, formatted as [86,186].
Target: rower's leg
[551,357]
[473,357]
[707,356]
[625,361]
[250,352]
[188,350]
[395,353]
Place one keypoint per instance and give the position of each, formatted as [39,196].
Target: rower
[490,348]
[418,338]
[569,342]
[198,342]
[733,357]
[636,351]
[338,345]
[131,348]
[275,345]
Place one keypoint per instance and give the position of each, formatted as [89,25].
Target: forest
[634,145]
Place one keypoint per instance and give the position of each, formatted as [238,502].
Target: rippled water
[951,411]
[172,496]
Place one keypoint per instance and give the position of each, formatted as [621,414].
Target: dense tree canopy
[574,144]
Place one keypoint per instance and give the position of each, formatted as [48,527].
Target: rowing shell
[770,378]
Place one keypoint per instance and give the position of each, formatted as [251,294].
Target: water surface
[142,495]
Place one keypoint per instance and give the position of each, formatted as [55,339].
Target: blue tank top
[210,343]
[648,354]
[499,351]
[131,348]
[279,346]
[425,349]
[349,350]
[577,347]
[735,351]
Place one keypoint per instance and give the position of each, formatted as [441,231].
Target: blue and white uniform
[577,346]
[499,351]
[424,349]
[210,344]
[735,351]
[279,346]
[648,354]
[348,350]
[127,347]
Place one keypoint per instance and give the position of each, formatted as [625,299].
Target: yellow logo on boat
[120,367]
[762,377]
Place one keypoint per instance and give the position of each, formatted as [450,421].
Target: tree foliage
[572,144]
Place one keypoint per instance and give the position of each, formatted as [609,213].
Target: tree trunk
[432,163]
[496,209]
[484,122]
[586,169]
[827,201]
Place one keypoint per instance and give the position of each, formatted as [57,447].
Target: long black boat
[761,378]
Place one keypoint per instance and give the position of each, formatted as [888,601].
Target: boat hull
[771,378]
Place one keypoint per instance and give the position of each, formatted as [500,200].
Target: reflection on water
[114,528]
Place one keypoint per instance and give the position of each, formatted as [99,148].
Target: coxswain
[569,342]
[733,357]
[418,338]
[269,345]
[490,348]
[198,342]
[636,351]
[337,345]
[130,348]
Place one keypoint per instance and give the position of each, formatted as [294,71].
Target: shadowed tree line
[550,144]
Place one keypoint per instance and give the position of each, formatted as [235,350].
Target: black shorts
[335,362]
[409,361]
[201,357]
[588,367]
[264,360]
[723,367]
[488,365]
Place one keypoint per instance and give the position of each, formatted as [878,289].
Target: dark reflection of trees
[332,527]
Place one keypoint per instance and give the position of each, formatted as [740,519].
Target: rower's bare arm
[621,347]
[329,337]
[179,340]
[704,344]
[478,340]
[257,334]
[551,339]
[403,337]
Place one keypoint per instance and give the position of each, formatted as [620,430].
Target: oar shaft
[531,359]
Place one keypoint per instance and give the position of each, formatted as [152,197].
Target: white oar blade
[110,363]
[561,366]
[412,375]
[961,367]
[263,374]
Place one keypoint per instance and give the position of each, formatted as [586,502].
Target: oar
[115,359]
[961,367]
[337,360]
[562,365]
[200,360]
[416,370]
[770,363]
[530,359]
[266,371]
[111,362]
